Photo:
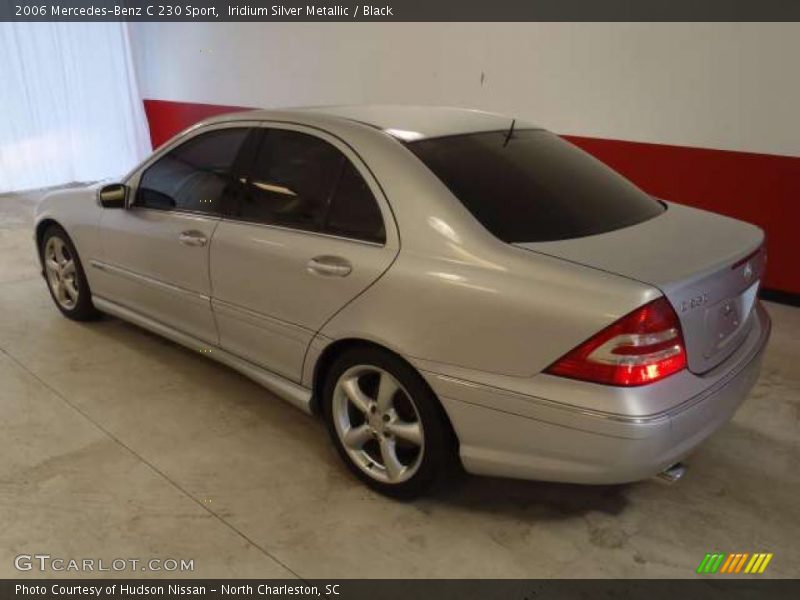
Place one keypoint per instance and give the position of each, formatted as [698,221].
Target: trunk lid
[708,266]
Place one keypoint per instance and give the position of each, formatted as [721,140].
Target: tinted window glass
[292,180]
[534,187]
[194,176]
[354,211]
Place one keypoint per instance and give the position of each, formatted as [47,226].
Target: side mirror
[113,195]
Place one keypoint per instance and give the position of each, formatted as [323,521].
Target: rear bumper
[554,441]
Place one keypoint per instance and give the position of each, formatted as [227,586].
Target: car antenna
[510,131]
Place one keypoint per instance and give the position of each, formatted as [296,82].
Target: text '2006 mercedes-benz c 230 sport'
[441,285]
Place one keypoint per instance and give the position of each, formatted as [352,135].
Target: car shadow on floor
[538,499]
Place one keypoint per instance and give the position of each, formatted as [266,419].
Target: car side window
[302,182]
[196,176]
[291,181]
[354,212]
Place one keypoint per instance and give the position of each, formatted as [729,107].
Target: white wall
[717,85]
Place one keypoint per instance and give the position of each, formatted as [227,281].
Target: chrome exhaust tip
[671,474]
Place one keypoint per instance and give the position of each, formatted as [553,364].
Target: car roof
[405,122]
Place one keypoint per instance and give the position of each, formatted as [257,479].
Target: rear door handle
[192,238]
[329,266]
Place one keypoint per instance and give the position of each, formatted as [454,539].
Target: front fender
[78,212]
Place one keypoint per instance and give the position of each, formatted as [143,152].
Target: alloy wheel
[62,275]
[378,424]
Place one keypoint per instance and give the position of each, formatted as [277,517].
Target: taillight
[641,347]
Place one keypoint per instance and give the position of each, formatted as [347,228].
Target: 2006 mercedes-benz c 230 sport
[439,284]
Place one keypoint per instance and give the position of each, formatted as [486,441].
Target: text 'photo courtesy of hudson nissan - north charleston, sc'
[442,286]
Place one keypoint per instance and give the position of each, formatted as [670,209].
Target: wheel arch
[336,348]
[39,231]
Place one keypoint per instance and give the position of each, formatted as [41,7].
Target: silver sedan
[444,287]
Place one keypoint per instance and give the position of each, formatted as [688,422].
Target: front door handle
[193,238]
[329,266]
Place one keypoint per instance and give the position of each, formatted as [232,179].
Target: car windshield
[533,186]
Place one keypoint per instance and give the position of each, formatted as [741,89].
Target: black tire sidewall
[438,443]
[84,310]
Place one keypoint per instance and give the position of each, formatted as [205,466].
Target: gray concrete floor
[115,443]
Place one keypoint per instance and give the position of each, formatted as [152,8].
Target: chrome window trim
[189,213]
[181,212]
[378,195]
[305,231]
[132,179]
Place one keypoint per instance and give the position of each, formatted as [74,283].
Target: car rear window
[534,186]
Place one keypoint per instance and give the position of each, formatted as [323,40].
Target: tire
[65,277]
[386,423]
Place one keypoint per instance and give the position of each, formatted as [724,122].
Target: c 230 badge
[694,302]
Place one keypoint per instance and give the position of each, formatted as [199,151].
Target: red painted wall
[763,189]
[167,118]
[760,188]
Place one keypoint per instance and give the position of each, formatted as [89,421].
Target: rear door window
[291,181]
[302,182]
[533,186]
[354,213]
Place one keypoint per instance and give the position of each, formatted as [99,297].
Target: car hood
[695,258]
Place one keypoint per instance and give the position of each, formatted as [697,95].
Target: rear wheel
[65,277]
[386,423]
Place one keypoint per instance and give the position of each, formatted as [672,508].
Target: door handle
[192,238]
[329,266]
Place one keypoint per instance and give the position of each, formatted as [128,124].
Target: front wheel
[386,423]
[66,279]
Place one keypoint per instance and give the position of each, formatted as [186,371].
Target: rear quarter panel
[509,312]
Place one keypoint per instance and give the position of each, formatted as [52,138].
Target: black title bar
[401,10]
[710,587]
